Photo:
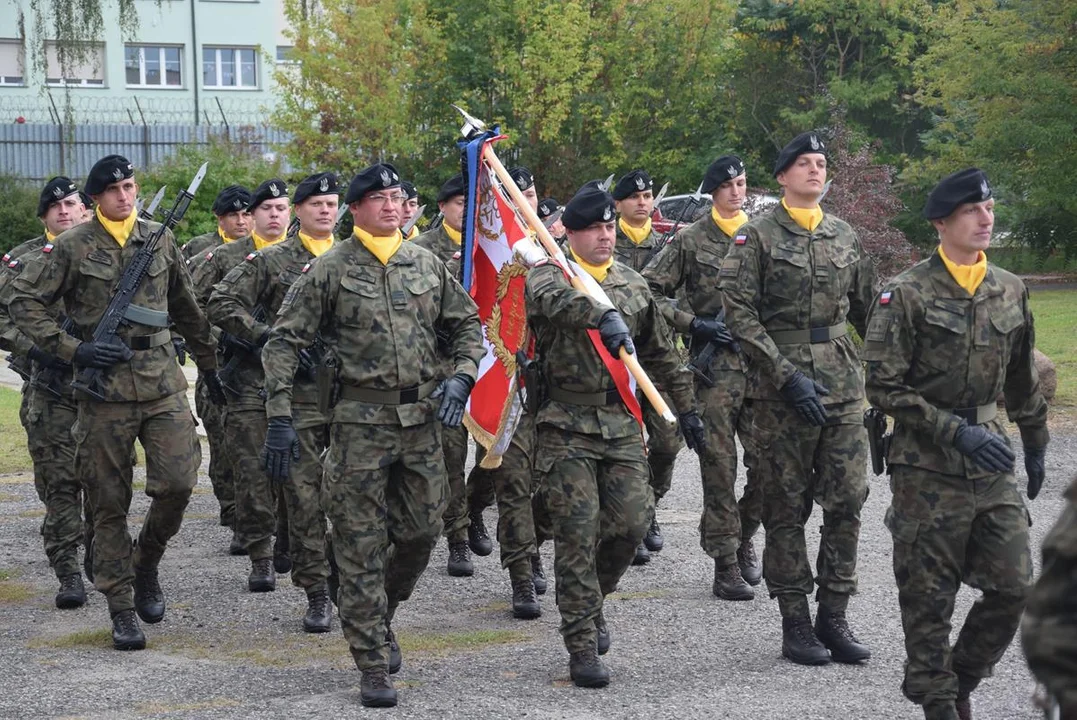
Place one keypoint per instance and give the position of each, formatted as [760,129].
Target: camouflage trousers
[105,433]
[724,522]
[384,487]
[456,520]
[597,495]
[48,422]
[302,493]
[948,530]
[220,463]
[664,441]
[801,465]
[257,496]
[1049,628]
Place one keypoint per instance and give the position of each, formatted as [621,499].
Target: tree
[18,212]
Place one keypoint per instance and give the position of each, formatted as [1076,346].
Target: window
[228,67]
[285,55]
[153,66]
[12,62]
[87,66]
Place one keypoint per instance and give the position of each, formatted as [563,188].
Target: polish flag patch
[884,298]
[209,256]
[252,256]
[47,249]
[6,257]
[740,239]
[305,268]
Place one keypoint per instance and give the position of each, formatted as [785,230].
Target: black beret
[724,168]
[453,186]
[522,177]
[232,199]
[632,183]
[85,200]
[802,144]
[409,190]
[588,206]
[109,169]
[379,176]
[547,207]
[55,190]
[317,184]
[964,186]
[269,190]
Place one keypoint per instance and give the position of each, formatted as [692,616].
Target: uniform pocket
[903,528]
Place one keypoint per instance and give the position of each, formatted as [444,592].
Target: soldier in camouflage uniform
[637,244]
[379,304]
[589,448]
[259,508]
[233,222]
[692,260]
[143,388]
[944,340]
[261,281]
[48,409]
[792,279]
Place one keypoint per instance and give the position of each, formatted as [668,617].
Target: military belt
[813,335]
[977,415]
[147,342]
[146,316]
[595,399]
[407,396]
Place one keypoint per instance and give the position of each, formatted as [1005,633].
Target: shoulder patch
[209,256]
[252,255]
[7,256]
[740,239]
[456,255]
[13,264]
[47,249]
[884,298]
[305,268]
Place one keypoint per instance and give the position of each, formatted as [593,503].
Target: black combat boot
[940,711]
[319,614]
[396,658]
[643,555]
[832,629]
[538,575]
[653,539]
[525,605]
[376,689]
[477,537]
[965,686]
[262,577]
[603,640]
[799,643]
[149,597]
[282,560]
[587,670]
[126,633]
[750,567]
[728,583]
[460,559]
[72,593]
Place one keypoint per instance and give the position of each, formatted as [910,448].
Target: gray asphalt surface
[678,652]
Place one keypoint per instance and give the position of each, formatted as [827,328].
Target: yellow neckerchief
[636,235]
[967,276]
[224,236]
[598,272]
[728,225]
[315,247]
[49,237]
[413,233]
[261,243]
[120,230]
[806,218]
[383,248]
[454,235]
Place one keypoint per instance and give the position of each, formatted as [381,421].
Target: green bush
[18,211]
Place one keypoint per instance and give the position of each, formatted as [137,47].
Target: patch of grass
[8,497]
[6,574]
[154,708]
[463,640]
[1056,337]
[13,453]
[18,478]
[498,606]
[13,593]
[640,595]
[35,513]
[96,638]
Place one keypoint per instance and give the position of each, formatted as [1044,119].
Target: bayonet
[661,195]
[607,183]
[554,217]
[148,212]
[341,212]
[826,189]
[414,219]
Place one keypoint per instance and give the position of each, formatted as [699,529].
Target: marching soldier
[233,222]
[944,340]
[637,244]
[547,208]
[379,303]
[411,206]
[589,449]
[692,260]
[259,509]
[142,385]
[48,409]
[257,286]
[792,279]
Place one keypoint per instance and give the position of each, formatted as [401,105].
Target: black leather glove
[102,355]
[181,350]
[704,329]
[215,388]
[984,448]
[44,359]
[1034,466]
[803,393]
[454,393]
[308,363]
[615,333]
[235,344]
[692,429]
[281,448]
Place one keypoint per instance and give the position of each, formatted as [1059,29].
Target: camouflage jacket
[930,347]
[81,268]
[262,279]
[560,315]
[12,339]
[635,256]
[200,244]
[779,277]
[438,242]
[690,263]
[381,323]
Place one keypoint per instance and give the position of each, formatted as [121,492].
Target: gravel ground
[678,652]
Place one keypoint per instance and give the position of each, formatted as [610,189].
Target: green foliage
[18,212]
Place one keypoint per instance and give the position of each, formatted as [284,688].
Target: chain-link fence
[76,109]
